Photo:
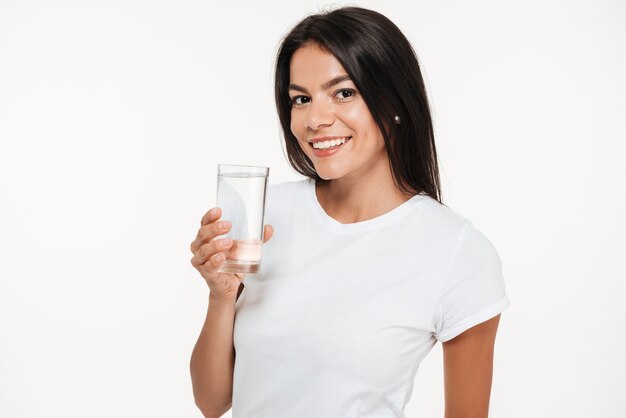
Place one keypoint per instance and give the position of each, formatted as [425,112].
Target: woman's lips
[329,151]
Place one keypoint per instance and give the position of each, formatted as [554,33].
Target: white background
[114,116]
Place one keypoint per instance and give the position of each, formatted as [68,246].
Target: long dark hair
[382,64]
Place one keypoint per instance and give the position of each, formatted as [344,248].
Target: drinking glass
[241,191]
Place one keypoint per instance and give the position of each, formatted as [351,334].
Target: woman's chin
[329,170]
[323,172]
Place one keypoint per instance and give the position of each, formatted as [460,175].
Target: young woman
[367,269]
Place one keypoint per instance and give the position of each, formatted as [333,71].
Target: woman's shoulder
[448,224]
[442,216]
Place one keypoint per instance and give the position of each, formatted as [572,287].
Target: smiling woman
[333,118]
[367,269]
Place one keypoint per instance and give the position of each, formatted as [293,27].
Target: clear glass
[241,191]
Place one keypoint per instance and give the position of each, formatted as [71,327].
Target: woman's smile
[329,147]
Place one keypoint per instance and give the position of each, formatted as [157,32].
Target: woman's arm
[468,367]
[213,359]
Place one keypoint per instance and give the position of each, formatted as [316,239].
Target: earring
[396,120]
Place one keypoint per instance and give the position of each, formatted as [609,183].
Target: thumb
[268,232]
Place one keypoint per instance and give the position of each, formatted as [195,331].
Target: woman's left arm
[468,368]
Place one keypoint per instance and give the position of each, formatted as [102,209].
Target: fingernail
[224,224]
[213,212]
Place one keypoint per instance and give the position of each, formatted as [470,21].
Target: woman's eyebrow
[324,86]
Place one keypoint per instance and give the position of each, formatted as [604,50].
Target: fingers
[211,255]
[210,230]
[211,216]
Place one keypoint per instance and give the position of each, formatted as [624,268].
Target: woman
[367,269]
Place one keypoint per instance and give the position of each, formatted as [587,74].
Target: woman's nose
[319,115]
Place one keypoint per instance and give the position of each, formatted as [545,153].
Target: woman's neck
[354,198]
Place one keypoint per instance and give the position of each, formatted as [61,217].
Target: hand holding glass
[241,192]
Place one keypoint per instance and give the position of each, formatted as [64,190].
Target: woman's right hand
[209,255]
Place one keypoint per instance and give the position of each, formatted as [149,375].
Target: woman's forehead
[313,63]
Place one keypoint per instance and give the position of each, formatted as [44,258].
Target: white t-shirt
[340,316]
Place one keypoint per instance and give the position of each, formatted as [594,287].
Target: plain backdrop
[115,114]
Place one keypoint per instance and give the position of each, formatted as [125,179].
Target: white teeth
[329,144]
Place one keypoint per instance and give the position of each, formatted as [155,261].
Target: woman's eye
[299,100]
[345,93]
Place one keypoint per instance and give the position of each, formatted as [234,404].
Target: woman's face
[326,104]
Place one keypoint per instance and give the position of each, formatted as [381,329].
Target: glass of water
[241,191]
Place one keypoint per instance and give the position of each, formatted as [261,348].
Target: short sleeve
[473,290]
